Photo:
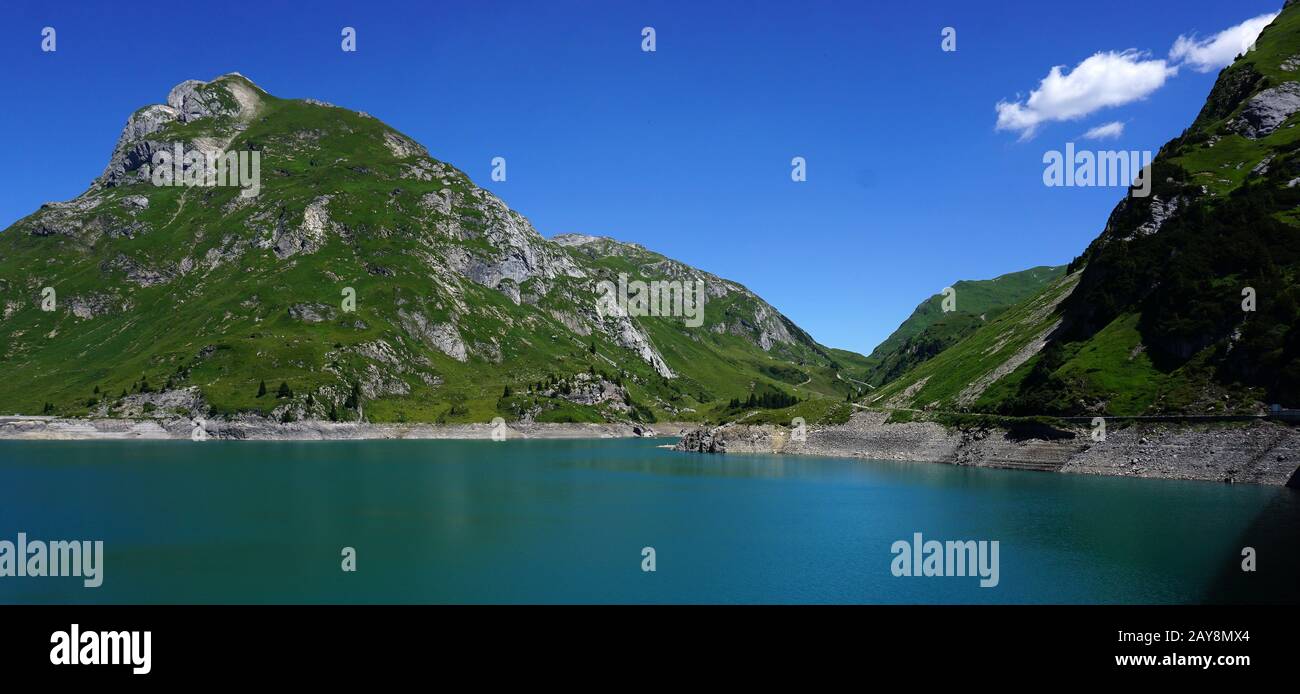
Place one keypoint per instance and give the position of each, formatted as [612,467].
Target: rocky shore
[1257,452]
[253,428]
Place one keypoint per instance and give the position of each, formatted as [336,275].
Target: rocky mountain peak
[230,100]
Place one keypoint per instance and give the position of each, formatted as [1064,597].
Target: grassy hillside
[929,330]
[185,300]
[956,379]
[1156,323]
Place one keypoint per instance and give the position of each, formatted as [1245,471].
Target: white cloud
[1104,80]
[1221,49]
[1105,131]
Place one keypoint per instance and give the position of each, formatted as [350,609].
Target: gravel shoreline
[257,429]
[1255,453]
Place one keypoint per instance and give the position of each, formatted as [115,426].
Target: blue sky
[686,150]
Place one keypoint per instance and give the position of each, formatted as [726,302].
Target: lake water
[566,521]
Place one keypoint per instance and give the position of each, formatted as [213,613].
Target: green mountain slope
[1155,321]
[929,330]
[957,378]
[185,300]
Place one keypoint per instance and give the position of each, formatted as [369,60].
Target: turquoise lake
[565,521]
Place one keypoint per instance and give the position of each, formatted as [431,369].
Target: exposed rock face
[312,313]
[136,272]
[1267,110]
[1154,213]
[91,305]
[308,236]
[703,441]
[134,147]
[228,96]
[190,103]
[589,390]
[377,382]
[629,336]
[69,218]
[403,147]
[443,337]
[1161,211]
[522,252]
[185,402]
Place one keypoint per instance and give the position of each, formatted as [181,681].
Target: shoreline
[1264,453]
[35,428]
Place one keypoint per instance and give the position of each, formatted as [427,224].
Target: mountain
[930,330]
[1151,318]
[233,300]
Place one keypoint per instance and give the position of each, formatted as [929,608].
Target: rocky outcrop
[403,147]
[629,336]
[166,404]
[703,441]
[91,305]
[443,337]
[71,218]
[308,236]
[585,389]
[312,313]
[1266,111]
[229,96]
[1160,211]
[136,272]
[521,253]
[189,101]
[134,147]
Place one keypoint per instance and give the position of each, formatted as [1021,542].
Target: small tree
[261,389]
[284,391]
[506,393]
[334,412]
